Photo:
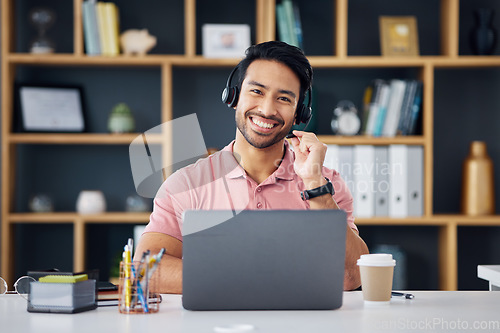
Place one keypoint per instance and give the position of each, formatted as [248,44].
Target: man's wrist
[312,183]
[318,191]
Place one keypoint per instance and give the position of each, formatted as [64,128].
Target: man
[257,170]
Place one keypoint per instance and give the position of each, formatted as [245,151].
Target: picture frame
[225,40]
[398,36]
[50,108]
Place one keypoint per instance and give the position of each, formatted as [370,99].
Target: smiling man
[258,170]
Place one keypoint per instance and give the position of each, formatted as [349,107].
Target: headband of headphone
[230,96]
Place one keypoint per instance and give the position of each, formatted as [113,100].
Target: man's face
[268,99]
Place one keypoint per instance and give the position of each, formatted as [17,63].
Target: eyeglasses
[21,286]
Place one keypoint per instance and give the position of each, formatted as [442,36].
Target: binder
[415,180]
[332,157]
[364,158]
[346,160]
[381,181]
[398,179]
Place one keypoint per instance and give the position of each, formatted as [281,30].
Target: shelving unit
[265,30]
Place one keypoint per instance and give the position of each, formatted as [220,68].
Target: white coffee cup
[376,272]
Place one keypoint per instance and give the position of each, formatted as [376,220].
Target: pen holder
[137,291]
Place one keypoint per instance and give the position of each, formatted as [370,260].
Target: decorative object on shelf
[41,203]
[483,36]
[51,109]
[478,186]
[135,203]
[42,18]
[398,35]
[225,40]
[137,42]
[121,119]
[90,202]
[345,120]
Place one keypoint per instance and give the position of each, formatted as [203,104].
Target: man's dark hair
[289,55]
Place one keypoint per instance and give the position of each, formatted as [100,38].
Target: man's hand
[309,157]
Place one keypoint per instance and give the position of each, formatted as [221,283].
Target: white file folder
[332,157]
[364,166]
[398,179]
[381,181]
[415,180]
[345,168]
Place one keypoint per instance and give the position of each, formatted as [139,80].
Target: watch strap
[318,191]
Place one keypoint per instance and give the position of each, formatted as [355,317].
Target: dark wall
[465,110]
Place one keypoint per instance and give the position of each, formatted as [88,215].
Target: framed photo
[398,36]
[225,40]
[51,109]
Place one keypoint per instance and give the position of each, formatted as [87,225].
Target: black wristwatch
[318,191]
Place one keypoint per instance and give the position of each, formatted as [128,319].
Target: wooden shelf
[71,217]
[121,60]
[79,138]
[434,220]
[369,140]
[200,61]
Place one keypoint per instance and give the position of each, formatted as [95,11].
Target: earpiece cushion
[230,96]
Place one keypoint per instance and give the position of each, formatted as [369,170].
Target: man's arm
[354,245]
[309,156]
[170,269]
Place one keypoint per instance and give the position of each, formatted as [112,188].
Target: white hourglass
[42,18]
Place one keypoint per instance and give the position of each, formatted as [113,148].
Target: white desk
[491,273]
[430,310]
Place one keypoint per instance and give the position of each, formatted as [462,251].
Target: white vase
[90,202]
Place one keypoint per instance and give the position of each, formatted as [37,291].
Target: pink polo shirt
[219,182]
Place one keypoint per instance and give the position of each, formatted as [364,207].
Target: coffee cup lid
[376,259]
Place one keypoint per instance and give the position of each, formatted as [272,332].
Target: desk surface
[430,310]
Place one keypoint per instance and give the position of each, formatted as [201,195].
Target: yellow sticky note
[63,278]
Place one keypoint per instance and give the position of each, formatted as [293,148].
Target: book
[409,96]
[283,32]
[415,110]
[385,93]
[290,21]
[373,108]
[87,29]
[394,107]
[91,28]
[298,25]
[103,34]
[367,96]
[111,22]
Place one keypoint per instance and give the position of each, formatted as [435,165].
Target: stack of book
[101,28]
[289,26]
[392,107]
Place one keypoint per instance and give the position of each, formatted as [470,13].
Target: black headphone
[230,97]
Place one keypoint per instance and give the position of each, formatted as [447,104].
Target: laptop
[263,260]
